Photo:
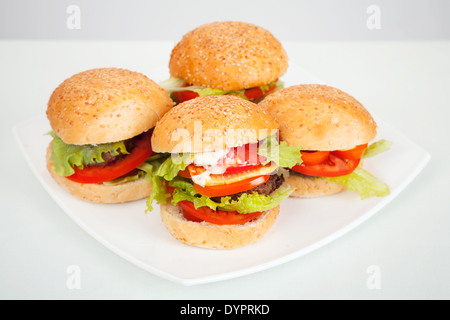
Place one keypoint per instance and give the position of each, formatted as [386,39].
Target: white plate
[302,226]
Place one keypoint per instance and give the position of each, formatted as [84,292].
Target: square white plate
[302,226]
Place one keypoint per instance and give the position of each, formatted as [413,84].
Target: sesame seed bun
[213,236]
[228,55]
[320,117]
[211,123]
[105,105]
[98,192]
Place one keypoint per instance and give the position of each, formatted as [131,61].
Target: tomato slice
[219,217]
[255,93]
[232,188]
[355,153]
[207,214]
[187,211]
[238,168]
[332,167]
[314,157]
[182,96]
[100,173]
[330,163]
[185,173]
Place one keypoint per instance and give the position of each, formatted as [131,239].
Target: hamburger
[333,130]
[218,179]
[226,58]
[102,121]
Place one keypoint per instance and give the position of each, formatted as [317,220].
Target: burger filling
[107,163]
[180,91]
[234,188]
[342,166]
[274,182]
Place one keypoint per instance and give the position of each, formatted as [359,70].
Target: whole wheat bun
[310,187]
[212,123]
[213,236]
[319,117]
[100,193]
[105,105]
[228,55]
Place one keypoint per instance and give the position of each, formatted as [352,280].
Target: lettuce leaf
[363,182]
[164,169]
[281,153]
[173,164]
[173,84]
[151,167]
[377,148]
[246,203]
[254,202]
[159,192]
[209,91]
[66,156]
[152,164]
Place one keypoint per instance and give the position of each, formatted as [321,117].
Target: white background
[404,82]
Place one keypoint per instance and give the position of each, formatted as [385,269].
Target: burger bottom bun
[310,187]
[100,193]
[213,236]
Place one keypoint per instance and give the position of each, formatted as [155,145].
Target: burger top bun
[228,55]
[320,117]
[105,105]
[211,123]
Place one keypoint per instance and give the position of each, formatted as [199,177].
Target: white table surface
[404,83]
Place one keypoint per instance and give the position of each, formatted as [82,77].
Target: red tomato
[334,163]
[185,173]
[255,93]
[215,216]
[100,173]
[182,96]
[238,168]
[232,188]
[314,157]
[186,213]
[332,167]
